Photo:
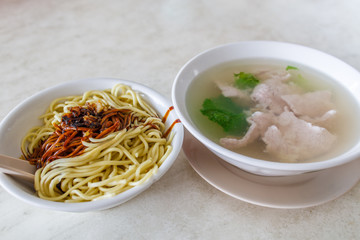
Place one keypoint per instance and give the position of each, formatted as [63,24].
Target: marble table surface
[43,43]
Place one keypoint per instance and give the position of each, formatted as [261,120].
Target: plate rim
[194,163]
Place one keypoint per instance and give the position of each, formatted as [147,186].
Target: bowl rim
[216,148]
[9,183]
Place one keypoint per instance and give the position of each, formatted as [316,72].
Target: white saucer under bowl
[276,192]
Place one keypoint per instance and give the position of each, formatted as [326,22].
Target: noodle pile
[96,145]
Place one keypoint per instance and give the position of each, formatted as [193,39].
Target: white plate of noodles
[96,143]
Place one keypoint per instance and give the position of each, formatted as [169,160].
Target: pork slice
[263,120]
[292,139]
[274,75]
[327,120]
[266,97]
[312,104]
[233,143]
[268,94]
[228,90]
[259,122]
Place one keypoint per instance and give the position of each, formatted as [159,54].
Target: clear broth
[347,130]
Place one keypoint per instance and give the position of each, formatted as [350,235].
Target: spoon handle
[17,167]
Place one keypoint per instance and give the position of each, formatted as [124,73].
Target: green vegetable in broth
[302,82]
[291,68]
[245,80]
[299,80]
[226,113]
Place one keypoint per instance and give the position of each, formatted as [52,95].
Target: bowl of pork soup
[271,108]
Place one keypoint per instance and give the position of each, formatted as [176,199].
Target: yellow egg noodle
[109,165]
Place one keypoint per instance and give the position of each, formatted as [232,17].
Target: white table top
[43,43]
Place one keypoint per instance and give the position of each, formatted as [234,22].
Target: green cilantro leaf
[227,114]
[245,80]
[291,68]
